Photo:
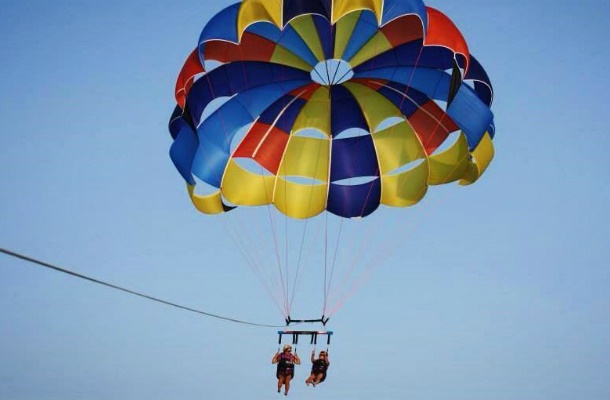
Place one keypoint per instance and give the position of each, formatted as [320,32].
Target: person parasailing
[285,361]
[318,368]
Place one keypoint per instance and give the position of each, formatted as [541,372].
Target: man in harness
[285,367]
[318,368]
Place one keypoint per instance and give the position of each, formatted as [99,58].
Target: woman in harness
[285,367]
[318,369]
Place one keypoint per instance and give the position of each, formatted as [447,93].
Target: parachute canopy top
[338,106]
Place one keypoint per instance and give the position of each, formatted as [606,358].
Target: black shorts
[289,373]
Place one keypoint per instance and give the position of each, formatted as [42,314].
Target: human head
[322,353]
[287,347]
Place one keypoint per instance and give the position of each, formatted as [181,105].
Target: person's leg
[280,382]
[309,379]
[287,380]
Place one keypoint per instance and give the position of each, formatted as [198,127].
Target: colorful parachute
[336,105]
[308,106]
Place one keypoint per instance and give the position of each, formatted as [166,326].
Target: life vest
[319,366]
[285,364]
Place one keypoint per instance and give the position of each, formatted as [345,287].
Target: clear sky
[494,291]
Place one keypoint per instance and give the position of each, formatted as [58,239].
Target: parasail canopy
[329,105]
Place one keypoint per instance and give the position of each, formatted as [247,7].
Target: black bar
[323,320]
[312,334]
[298,332]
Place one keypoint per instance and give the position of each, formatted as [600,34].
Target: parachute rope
[334,263]
[129,291]
[384,253]
[325,261]
[279,262]
[256,268]
[297,274]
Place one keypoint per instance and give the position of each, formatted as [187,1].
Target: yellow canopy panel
[376,45]
[208,204]
[343,7]
[396,146]
[482,156]
[245,188]
[282,56]
[375,107]
[406,188]
[298,200]
[306,157]
[316,113]
[343,31]
[307,30]
[251,11]
[451,164]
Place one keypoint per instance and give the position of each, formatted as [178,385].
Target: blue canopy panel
[293,42]
[484,92]
[462,60]
[218,130]
[352,158]
[232,78]
[220,127]
[354,201]
[294,8]
[286,119]
[405,54]
[345,111]
[182,150]
[469,113]
[436,57]
[393,9]
[209,162]
[221,26]
[411,54]
[492,129]
[365,29]
[433,83]
[175,122]
[482,84]
[266,30]
[396,94]
[325,32]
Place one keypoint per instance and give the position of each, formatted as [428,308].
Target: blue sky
[498,290]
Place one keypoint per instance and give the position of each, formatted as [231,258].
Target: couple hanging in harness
[285,368]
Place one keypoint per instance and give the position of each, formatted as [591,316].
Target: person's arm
[275,358]
[313,353]
[297,360]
